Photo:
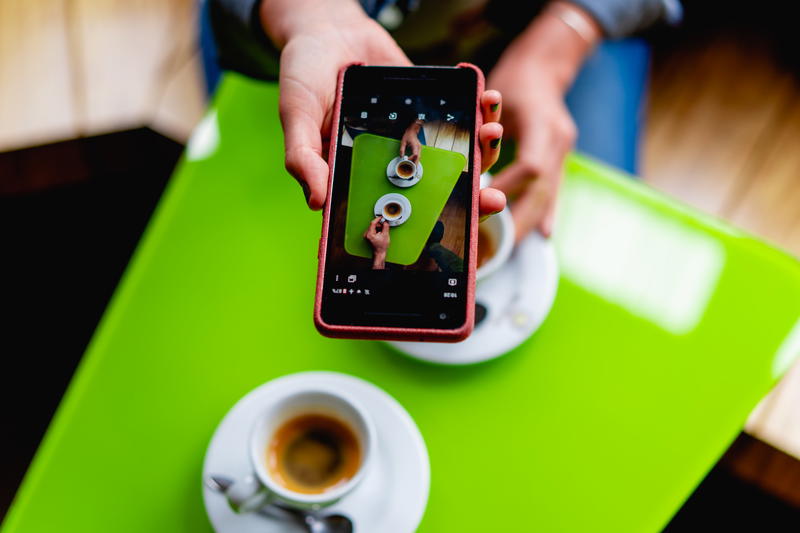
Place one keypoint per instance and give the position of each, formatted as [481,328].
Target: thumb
[303,140]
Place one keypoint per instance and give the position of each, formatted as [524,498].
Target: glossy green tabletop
[667,329]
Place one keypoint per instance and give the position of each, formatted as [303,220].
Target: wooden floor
[723,135]
[723,131]
[723,120]
[73,68]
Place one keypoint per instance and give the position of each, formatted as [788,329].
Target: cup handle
[247,495]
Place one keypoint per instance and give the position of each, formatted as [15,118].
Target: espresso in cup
[392,210]
[309,448]
[405,169]
[313,453]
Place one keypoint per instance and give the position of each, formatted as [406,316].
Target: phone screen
[399,233]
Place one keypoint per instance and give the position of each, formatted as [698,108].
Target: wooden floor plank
[36,85]
[779,425]
[769,205]
[705,120]
[128,49]
[461,145]
[182,102]
[446,136]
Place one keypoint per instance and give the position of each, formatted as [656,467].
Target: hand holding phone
[405,158]
[317,39]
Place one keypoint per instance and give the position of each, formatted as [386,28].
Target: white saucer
[518,297]
[398,181]
[393,197]
[394,493]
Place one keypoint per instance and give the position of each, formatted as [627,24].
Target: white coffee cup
[260,488]
[405,162]
[393,207]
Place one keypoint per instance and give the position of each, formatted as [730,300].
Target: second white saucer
[517,299]
[391,499]
[397,180]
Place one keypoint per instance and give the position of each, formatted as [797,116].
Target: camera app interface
[402,194]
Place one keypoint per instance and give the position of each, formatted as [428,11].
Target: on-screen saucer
[398,181]
[397,198]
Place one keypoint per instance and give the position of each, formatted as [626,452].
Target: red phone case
[392,333]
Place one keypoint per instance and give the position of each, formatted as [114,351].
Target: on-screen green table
[371,155]
[667,328]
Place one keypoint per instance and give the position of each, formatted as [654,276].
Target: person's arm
[619,18]
[377,235]
[411,140]
[616,18]
[533,75]
[316,39]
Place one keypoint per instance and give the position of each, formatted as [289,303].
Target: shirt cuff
[620,18]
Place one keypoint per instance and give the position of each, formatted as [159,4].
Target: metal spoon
[314,523]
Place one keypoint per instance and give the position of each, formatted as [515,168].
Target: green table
[667,329]
[371,154]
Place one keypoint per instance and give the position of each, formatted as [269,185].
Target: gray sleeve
[619,18]
[240,40]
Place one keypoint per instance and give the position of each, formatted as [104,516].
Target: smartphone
[399,235]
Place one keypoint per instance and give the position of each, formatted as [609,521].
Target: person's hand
[317,40]
[377,235]
[411,140]
[533,75]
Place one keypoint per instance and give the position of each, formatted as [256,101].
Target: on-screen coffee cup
[499,229]
[392,210]
[263,486]
[405,169]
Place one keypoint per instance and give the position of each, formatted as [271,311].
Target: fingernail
[494,143]
[306,191]
[494,107]
[483,218]
[547,228]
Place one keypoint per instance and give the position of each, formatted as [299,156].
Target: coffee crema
[392,209]
[313,453]
[405,169]
[486,246]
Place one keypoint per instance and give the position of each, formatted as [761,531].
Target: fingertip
[491,102]
[316,201]
[547,225]
[491,97]
[491,201]
[545,230]
[491,130]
